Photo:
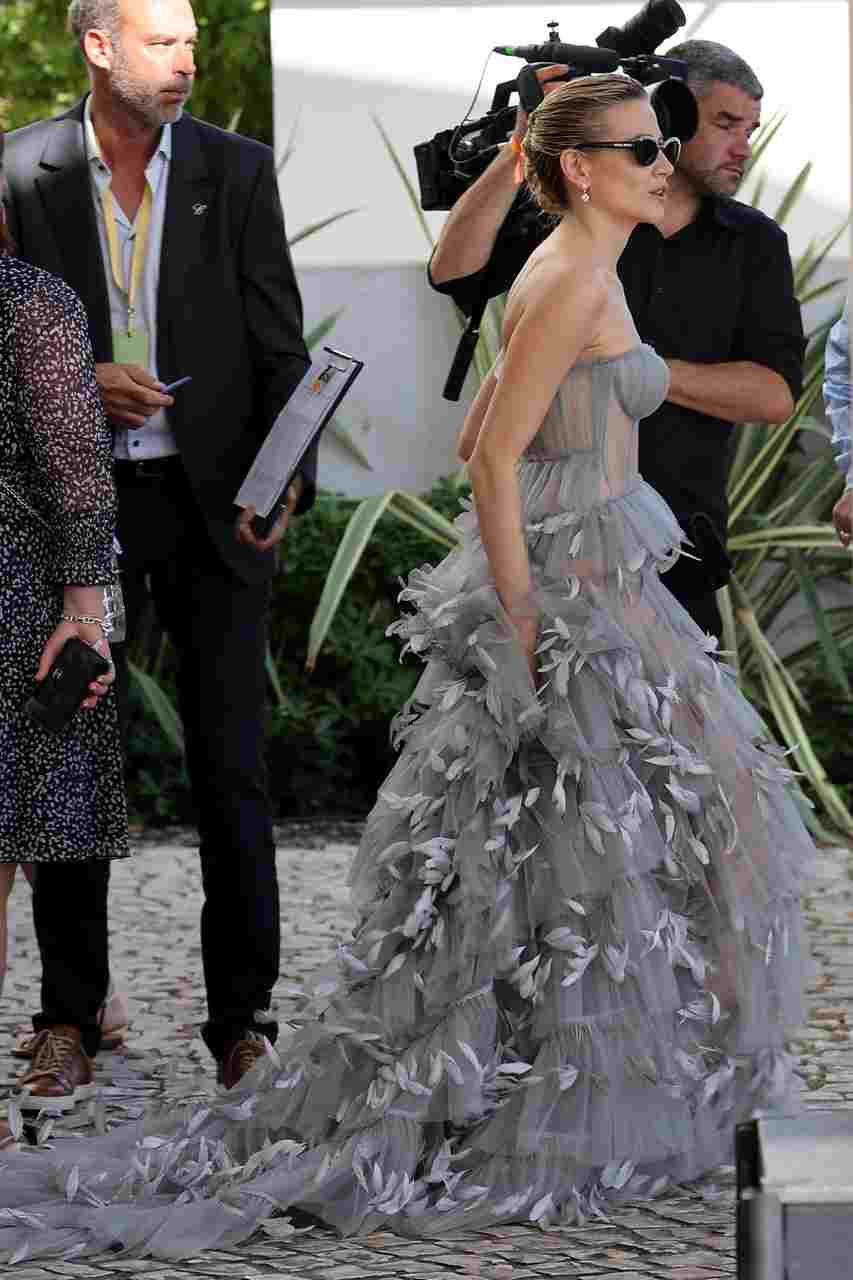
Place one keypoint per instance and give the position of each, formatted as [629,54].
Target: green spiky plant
[781,541]
[783,546]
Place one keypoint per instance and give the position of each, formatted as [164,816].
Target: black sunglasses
[645,150]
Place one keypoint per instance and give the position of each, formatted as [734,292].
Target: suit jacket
[228,310]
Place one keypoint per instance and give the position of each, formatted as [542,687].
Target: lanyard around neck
[137,262]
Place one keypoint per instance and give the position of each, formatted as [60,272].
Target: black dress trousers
[218,624]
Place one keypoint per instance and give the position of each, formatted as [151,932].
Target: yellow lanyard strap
[137,263]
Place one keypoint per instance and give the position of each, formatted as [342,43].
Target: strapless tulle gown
[578,947]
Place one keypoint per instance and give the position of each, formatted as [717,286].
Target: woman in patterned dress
[62,802]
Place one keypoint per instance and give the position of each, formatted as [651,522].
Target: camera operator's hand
[544,75]
[469,233]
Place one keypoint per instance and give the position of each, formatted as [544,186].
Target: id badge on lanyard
[130,343]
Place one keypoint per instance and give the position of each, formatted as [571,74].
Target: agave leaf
[751,564]
[794,733]
[432,518]
[275,680]
[407,517]
[290,145]
[766,656]
[343,435]
[761,467]
[731,638]
[161,706]
[793,193]
[814,361]
[314,227]
[834,660]
[350,550]
[773,597]
[841,625]
[790,725]
[804,271]
[765,136]
[804,266]
[802,537]
[750,438]
[820,291]
[234,121]
[758,191]
[405,179]
[318,333]
[816,483]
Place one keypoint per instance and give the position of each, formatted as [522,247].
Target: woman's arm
[560,320]
[471,228]
[61,422]
[474,420]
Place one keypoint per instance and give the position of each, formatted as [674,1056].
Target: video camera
[454,158]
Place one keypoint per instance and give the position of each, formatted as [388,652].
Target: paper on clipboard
[307,411]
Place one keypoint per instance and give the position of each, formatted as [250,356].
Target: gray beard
[140,103]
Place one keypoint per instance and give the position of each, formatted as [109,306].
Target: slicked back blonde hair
[568,116]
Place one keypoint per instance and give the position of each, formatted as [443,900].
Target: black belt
[129,472]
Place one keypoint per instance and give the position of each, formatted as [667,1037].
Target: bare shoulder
[569,285]
[556,294]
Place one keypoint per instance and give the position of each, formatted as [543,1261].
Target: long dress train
[579,946]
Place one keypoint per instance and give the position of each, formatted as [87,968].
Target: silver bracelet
[84,619]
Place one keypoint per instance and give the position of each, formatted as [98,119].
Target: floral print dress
[61,796]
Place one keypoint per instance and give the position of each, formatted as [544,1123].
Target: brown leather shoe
[115,1024]
[60,1074]
[240,1057]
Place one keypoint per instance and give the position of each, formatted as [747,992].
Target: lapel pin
[199,208]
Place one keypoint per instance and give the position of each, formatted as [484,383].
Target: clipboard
[307,412]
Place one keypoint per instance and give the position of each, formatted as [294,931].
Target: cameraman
[711,289]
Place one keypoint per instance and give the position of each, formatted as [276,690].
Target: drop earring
[585,195]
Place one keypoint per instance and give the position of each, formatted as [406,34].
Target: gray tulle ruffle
[578,950]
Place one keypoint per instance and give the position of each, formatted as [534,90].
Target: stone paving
[687,1234]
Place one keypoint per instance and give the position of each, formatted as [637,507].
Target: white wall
[406,333]
[416,66]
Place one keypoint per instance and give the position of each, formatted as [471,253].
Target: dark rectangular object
[65,686]
[795,1197]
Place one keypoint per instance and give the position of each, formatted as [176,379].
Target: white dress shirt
[155,439]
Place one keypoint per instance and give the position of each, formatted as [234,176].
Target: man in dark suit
[172,233]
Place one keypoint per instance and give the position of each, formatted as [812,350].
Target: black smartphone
[66,685]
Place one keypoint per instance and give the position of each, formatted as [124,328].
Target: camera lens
[656,22]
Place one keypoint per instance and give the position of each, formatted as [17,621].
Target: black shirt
[721,289]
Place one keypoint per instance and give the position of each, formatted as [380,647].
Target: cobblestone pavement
[687,1234]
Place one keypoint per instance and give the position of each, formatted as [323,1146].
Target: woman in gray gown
[578,949]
